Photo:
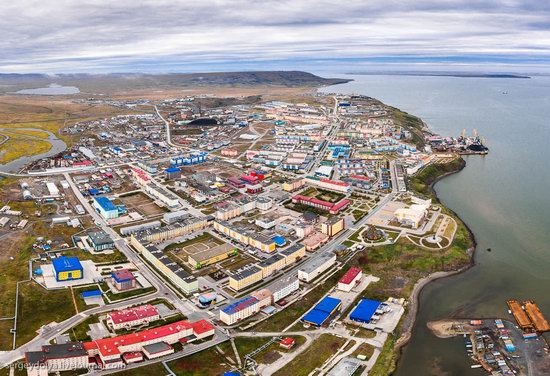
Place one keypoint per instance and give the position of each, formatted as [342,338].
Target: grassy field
[387,360]
[18,146]
[205,363]
[314,356]
[43,113]
[38,306]
[156,369]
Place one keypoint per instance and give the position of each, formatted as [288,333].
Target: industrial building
[67,268]
[311,270]
[106,208]
[350,279]
[319,314]
[364,310]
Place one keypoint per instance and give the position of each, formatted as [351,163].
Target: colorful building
[67,268]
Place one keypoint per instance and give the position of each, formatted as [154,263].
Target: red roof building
[109,350]
[287,343]
[135,316]
[320,204]
[350,279]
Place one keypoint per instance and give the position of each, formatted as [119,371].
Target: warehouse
[350,279]
[322,311]
[364,311]
[67,269]
[105,207]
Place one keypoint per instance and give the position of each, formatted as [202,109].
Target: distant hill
[131,81]
[443,74]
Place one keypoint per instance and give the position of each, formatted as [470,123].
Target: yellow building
[258,241]
[292,253]
[212,255]
[67,268]
[271,265]
[333,226]
[245,278]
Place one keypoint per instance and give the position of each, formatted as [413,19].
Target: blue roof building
[67,268]
[279,240]
[106,208]
[322,311]
[91,293]
[364,311]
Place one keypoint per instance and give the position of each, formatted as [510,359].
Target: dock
[536,317]
[521,317]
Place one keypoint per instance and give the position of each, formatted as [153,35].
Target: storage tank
[24,186]
[27,195]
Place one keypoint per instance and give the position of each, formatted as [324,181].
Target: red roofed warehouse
[350,279]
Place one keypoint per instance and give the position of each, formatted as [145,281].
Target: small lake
[53,89]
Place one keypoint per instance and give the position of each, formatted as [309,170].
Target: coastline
[410,320]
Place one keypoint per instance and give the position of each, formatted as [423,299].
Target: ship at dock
[464,145]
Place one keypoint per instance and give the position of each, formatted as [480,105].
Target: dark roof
[157,347]
[67,350]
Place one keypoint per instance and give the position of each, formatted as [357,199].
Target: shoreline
[410,321]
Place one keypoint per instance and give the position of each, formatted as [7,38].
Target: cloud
[160,35]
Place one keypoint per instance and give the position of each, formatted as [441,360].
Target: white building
[240,310]
[52,189]
[309,271]
[411,216]
[284,287]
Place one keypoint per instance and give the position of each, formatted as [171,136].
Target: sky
[66,36]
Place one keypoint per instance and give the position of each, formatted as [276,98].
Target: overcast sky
[131,35]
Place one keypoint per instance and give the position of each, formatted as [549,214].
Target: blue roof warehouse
[322,311]
[364,311]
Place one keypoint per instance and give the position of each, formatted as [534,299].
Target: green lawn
[314,356]
[205,363]
[38,306]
